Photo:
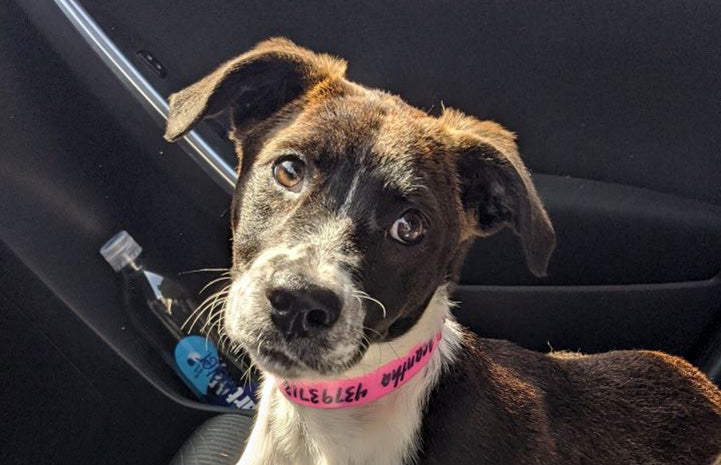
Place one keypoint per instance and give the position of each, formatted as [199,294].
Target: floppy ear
[496,188]
[256,84]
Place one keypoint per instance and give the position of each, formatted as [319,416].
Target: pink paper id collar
[363,389]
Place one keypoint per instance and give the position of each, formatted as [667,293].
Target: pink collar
[362,389]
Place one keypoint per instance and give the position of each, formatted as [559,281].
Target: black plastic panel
[609,234]
[43,391]
[70,182]
[67,397]
[622,91]
[667,317]
[71,177]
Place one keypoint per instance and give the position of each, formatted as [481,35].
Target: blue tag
[197,358]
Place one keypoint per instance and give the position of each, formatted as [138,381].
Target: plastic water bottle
[159,307]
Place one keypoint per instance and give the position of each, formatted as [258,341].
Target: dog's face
[351,207]
[349,212]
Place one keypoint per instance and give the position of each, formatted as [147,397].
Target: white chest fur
[384,432]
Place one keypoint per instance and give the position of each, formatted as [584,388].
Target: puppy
[352,214]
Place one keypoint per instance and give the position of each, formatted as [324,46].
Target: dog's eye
[289,172]
[409,228]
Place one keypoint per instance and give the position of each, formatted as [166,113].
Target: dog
[351,217]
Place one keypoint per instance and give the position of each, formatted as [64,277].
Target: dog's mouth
[303,359]
[277,361]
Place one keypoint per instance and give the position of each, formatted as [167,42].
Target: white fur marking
[384,432]
[351,193]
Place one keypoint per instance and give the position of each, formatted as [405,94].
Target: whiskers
[364,295]
[209,316]
[388,343]
[210,304]
[206,270]
[360,296]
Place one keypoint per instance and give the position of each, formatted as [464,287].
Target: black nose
[297,312]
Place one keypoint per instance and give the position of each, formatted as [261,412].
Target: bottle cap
[120,250]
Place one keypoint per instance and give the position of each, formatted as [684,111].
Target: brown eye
[289,172]
[409,228]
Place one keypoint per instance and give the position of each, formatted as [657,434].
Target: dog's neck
[344,392]
[288,433]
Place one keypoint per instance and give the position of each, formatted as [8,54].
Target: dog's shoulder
[567,407]
[487,409]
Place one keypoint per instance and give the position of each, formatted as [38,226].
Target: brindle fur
[499,404]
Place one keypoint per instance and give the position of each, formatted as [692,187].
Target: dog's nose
[297,312]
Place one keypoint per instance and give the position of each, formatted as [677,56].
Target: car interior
[617,109]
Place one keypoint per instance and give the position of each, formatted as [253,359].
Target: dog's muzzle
[295,314]
[298,313]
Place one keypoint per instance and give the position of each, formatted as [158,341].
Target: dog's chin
[302,361]
[278,363]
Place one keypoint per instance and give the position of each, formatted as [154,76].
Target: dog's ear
[255,84]
[496,188]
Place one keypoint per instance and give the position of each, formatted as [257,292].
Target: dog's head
[352,207]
